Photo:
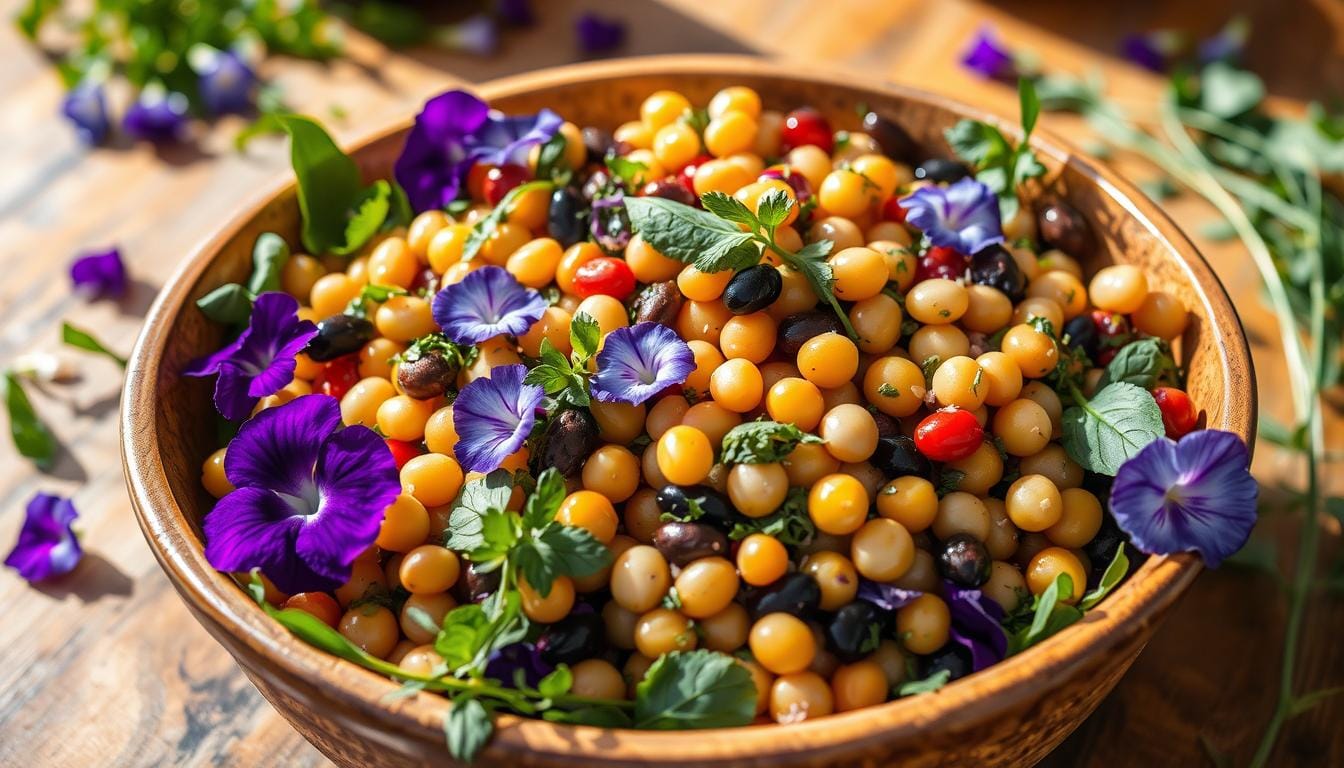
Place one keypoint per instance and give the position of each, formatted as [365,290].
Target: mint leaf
[729,208]
[929,684]
[1049,615]
[628,171]
[485,227]
[557,683]
[370,210]
[1114,574]
[329,185]
[763,442]
[551,157]
[467,727]
[460,637]
[690,235]
[1107,431]
[269,255]
[1140,363]
[979,144]
[601,716]
[584,336]
[31,437]
[545,501]
[477,498]
[84,340]
[230,304]
[1228,92]
[573,551]
[695,689]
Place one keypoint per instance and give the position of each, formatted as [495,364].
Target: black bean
[1062,226]
[682,543]
[568,441]
[897,456]
[339,335]
[567,217]
[752,289]
[1081,333]
[670,189]
[796,593]
[940,169]
[964,561]
[598,142]
[658,303]
[676,500]
[476,586]
[953,657]
[853,631]
[795,330]
[429,375]
[574,638]
[995,267]
[610,224]
[892,138]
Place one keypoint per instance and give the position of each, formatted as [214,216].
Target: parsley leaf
[929,684]
[1107,431]
[584,336]
[1113,575]
[695,689]
[541,506]
[999,165]
[1049,615]
[478,497]
[483,229]
[763,442]
[84,340]
[31,436]
[790,523]
[467,727]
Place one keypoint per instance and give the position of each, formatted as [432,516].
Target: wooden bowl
[1011,714]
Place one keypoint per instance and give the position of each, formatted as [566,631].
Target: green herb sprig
[231,303]
[763,442]
[998,163]
[565,379]
[29,433]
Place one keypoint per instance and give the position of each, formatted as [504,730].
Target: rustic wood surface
[106,667]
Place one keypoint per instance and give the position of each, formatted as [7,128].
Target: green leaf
[1114,574]
[370,211]
[574,551]
[545,501]
[557,683]
[1108,431]
[695,689]
[773,208]
[929,684]
[230,304]
[690,235]
[551,157]
[269,255]
[460,637]
[468,727]
[977,143]
[1140,363]
[478,497]
[729,208]
[329,184]
[500,530]
[1049,615]
[763,442]
[1227,92]
[790,524]
[483,229]
[628,171]
[31,437]
[1030,106]
[584,335]
[33,14]
[600,716]
[84,340]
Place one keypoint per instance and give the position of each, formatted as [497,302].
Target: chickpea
[703,320]
[762,559]
[1119,288]
[330,293]
[684,455]
[712,419]
[959,381]
[590,510]
[318,604]
[828,360]
[725,631]
[800,696]
[392,263]
[797,401]
[433,479]
[1005,586]
[1162,315]
[937,301]
[860,273]
[924,624]
[405,525]
[882,550]
[597,678]
[1023,427]
[795,296]
[858,685]
[1034,503]
[980,471]
[721,175]
[661,108]
[877,321]
[1079,521]
[1039,307]
[941,341]
[911,501]
[607,311]
[850,432]
[1003,537]
[706,587]
[612,471]
[1054,463]
[675,145]
[749,337]
[1001,378]
[213,477]
[371,627]
[1041,394]
[375,358]
[404,318]
[534,264]
[987,310]
[782,644]
[404,418]
[757,490]
[737,385]
[1066,290]
[422,616]
[440,434]
[838,504]
[618,422]
[619,625]
[895,386]
[429,569]
[961,512]
[808,463]
[836,575]
[663,630]
[1034,352]
[730,133]
[1047,565]
[365,577]
[639,578]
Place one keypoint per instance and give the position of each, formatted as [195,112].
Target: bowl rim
[226,610]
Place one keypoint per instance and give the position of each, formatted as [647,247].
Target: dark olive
[964,561]
[610,224]
[670,189]
[566,219]
[795,330]
[339,335]
[939,169]
[429,375]
[1100,550]
[887,426]
[897,457]
[475,586]
[658,303]
[854,631]
[752,289]
[892,138]
[796,593]
[568,441]
[953,657]
[681,543]
[995,267]
[676,500]
[598,143]
[1081,333]
[1062,226]
[572,639]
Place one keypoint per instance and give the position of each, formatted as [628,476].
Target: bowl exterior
[1011,714]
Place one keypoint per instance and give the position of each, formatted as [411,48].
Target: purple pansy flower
[488,302]
[477,35]
[886,596]
[963,216]
[309,496]
[47,546]
[156,116]
[503,664]
[638,362]
[261,360]
[976,625]
[986,56]
[1228,44]
[99,273]
[516,13]
[456,130]
[85,106]
[1193,495]
[1153,50]
[494,416]
[226,83]
[598,34]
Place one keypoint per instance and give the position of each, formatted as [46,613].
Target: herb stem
[791,259]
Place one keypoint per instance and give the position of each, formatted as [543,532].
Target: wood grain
[107,667]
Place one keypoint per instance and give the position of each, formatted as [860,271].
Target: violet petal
[986,56]
[156,117]
[488,302]
[598,34]
[638,362]
[963,216]
[278,448]
[976,624]
[227,84]
[85,106]
[99,273]
[47,546]
[502,663]
[494,416]
[886,596]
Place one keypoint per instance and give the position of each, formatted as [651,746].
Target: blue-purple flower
[488,302]
[1194,495]
[976,625]
[477,35]
[638,362]
[47,545]
[455,131]
[156,115]
[886,596]
[1228,45]
[516,13]
[963,216]
[494,416]
[309,496]
[503,664]
[85,106]
[261,360]
[987,57]
[1153,51]
[99,273]
[226,83]
[598,34]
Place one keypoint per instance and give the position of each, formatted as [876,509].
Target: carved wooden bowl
[1011,714]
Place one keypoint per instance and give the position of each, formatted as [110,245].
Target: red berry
[687,173]
[501,180]
[338,376]
[892,210]
[941,262]
[1112,334]
[1178,412]
[949,434]
[605,275]
[807,126]
[402,451]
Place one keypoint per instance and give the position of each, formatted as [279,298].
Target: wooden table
[105,667]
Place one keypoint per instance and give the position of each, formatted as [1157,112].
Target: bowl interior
[169,422]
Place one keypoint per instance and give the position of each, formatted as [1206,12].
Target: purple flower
[226,83]
[309,496]
[597,34]
[976,625]
[1152,50]
[47,546]
[156,116]
[610,222]
[455,131]
[494,416]
[488,302]
[638,362]
[988,58]
[963,216]
[1193,495]
[477,35]
[1228,44]
[504,663]
[261,360]
[86,107]
[886,596]
[99,273]
[516,13]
